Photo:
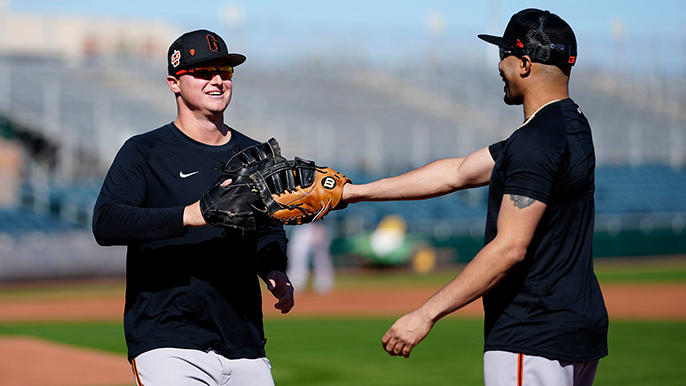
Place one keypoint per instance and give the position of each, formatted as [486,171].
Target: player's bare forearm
[483,273]
[488,268]
[421,183]
[432,180]
[192,216]
[517,223]
[478,277]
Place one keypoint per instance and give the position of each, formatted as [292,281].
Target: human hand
[282,289]
[406,333]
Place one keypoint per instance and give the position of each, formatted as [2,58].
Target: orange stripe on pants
[520,369]
[135,372]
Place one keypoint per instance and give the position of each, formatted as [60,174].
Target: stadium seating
[22,220]
[367,124]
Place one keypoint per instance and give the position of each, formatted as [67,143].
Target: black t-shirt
[550,305]
[194,288]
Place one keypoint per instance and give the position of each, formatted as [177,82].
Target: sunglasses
[504,53]
[208,72]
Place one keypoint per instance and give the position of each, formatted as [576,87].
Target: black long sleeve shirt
[186,287]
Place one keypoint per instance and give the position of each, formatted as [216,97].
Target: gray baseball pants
[502,368]
[184,367]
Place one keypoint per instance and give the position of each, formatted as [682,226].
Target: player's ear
[173,83]
[525,64]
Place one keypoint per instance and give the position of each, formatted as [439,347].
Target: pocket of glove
[298,191]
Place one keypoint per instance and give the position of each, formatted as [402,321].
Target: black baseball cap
[541,35]
[199,46]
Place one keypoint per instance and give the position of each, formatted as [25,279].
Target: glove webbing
[252,155]
[287,176]
[284,177]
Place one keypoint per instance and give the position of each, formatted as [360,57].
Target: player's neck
[534,103]
[544,86]
[209,132]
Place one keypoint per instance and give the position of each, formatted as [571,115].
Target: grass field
[325,351]
[348,352]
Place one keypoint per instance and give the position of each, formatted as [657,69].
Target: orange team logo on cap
[519,44]
[212,41]
[176,56]
[192,51]
[572,59]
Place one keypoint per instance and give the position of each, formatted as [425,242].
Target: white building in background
[75,38]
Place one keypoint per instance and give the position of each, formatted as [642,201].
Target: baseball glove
[232,205]
[298,192]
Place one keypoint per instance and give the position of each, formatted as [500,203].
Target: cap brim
[234,59]
[497,40]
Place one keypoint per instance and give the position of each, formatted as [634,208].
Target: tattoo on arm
[521,202]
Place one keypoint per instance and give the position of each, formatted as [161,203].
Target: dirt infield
[645,302]
[68,366]
[28,361]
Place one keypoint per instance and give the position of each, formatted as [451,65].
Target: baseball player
[193,313]
[311,243]
[545,319]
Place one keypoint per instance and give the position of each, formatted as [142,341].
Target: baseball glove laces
[298,191]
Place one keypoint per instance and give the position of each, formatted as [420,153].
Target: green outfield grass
[105,336]
[670,270]
[331,352]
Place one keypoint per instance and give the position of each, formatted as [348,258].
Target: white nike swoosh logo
[183,175]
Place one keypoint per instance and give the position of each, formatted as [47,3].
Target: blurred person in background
[309,245]
[193,313]
[545,318]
